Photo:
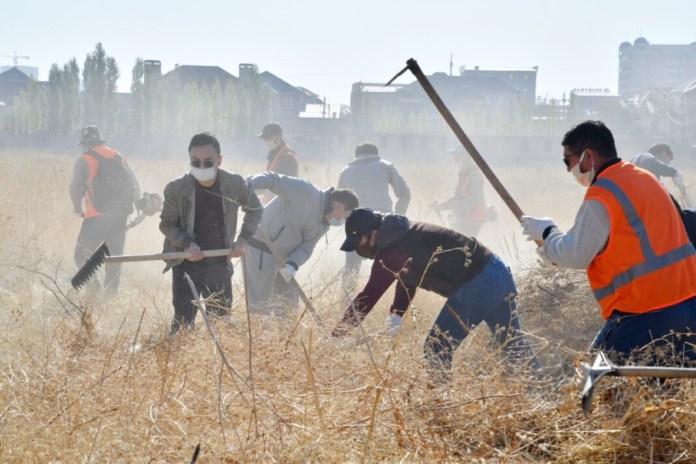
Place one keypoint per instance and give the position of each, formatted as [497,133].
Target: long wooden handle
[462,137]
[164,256]
[296,285]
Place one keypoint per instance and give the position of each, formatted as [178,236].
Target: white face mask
[272,144]
[204,174]
[336,222]
[583,178]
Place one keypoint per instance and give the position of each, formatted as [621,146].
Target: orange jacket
[478,212]
[649,262]
[93,164]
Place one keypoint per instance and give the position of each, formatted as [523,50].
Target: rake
[602,367]
[102,256]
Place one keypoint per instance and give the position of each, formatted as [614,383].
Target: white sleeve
[584,240]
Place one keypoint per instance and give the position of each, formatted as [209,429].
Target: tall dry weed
[83,380]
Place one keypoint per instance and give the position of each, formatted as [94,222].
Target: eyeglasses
[566,159]
[207,163]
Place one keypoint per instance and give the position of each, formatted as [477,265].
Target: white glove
[678,179]
[287,272]
[392,324]
[534,228]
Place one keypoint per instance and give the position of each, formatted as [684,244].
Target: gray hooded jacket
[294,219]
[369,176]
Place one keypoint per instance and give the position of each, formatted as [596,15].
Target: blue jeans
[489,297]
[674,325]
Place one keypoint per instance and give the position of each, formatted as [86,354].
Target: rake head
[90,267]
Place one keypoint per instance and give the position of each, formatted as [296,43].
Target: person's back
[645,228]
[103,198]
[653,165]
[370,176]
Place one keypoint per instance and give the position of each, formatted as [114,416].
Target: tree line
[156,107]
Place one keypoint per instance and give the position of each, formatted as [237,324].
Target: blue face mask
[336,222]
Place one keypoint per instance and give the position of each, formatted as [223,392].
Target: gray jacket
[294,219]
[179,211]
[369,177]
[648,162]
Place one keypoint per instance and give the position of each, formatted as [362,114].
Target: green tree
[254,99]
[70,97]
[100,76]
[54,104]
[137,120]
[29,109]
[63,98]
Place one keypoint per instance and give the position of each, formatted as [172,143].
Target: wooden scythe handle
[412,65]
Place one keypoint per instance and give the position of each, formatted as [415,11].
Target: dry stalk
[250,351]
[227,364]
[311,382]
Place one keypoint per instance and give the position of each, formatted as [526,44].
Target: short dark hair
[661,147]
[367,148]
[594,135]
[205,138]
[346,197]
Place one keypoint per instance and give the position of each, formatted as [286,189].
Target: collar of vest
[605,166]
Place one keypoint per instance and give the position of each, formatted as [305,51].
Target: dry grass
[74,389]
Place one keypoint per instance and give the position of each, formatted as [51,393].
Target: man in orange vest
[631,240]
[281,158]
[468,204]
[103,198]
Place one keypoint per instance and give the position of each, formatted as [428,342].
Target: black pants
[210,276]
[94,230]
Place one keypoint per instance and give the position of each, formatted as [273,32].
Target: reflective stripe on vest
[284,150]
[649,262]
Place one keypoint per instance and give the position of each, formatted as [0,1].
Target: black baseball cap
[270,130]
[360,222]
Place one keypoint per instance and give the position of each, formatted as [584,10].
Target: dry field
[84,381]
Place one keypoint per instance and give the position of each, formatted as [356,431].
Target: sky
[327,46]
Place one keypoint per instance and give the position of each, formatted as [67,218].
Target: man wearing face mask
[200,213]
[629,237]
[293,221]
[281,158]
[477,284]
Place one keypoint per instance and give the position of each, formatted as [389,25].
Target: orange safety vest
[649,262]
[476,214]
[283,151]
[93,164]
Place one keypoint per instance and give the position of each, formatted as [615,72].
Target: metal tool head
[90,267]
[594,373]
[408,66]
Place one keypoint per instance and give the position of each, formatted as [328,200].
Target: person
[468,205]
[293,221]
[281,158]
[200,213]
[629,237]
[103,190]
[370,176]
[657,160]
[477,284]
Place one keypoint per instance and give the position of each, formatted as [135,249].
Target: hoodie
[419,255]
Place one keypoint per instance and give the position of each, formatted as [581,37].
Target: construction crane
[15,57]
